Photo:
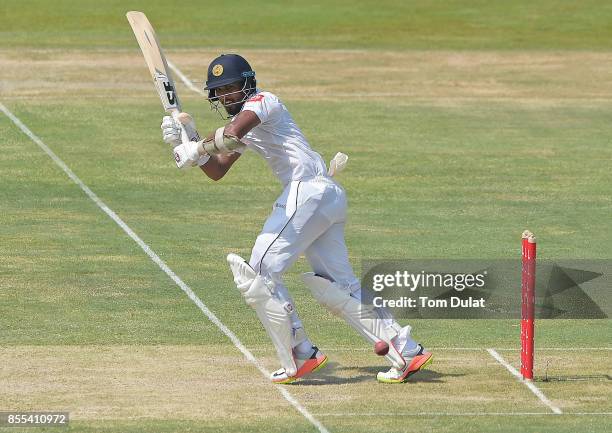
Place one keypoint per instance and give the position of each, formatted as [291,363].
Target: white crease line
[358,414]
[164,267]
[564,349]
[527,383]
[186,80]
[506,349]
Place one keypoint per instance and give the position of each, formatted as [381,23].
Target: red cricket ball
[381,348]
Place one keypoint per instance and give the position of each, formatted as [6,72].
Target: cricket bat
[158,66]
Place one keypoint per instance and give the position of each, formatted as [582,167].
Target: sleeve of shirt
[264,106]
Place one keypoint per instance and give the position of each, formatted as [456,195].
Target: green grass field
[486,119]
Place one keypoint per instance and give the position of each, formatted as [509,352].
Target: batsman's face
[231,97]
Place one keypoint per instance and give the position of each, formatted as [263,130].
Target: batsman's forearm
[219,144]
[218,165]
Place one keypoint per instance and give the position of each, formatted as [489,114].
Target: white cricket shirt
[280,142]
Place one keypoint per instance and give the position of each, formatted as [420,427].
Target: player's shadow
[332,374]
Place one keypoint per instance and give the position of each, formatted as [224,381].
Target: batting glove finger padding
[171,131]
[186,154]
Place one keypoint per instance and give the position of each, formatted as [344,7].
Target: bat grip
[184,136]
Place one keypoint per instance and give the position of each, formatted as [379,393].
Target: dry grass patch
[436,76]
[131,382]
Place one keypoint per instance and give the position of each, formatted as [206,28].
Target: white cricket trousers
[308,218]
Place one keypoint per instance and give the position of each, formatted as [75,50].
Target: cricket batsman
[307,218]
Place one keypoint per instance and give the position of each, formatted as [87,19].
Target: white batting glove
[337,164]
[171,131]
[186,155]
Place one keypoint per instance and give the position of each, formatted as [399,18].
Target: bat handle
[184,136]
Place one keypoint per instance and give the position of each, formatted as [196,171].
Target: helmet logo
[217,70]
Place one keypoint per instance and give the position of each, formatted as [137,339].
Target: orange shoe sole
[310,366]
[417,364]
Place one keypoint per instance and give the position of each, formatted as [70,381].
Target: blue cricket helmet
[227,69]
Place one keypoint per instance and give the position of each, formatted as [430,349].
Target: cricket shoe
[414,363]
[305,364]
